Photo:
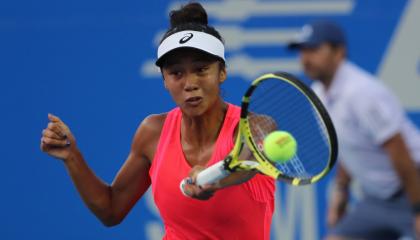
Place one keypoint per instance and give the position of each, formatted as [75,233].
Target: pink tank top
[238,212]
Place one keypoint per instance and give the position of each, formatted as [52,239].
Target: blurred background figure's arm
[407,171]
[340,196]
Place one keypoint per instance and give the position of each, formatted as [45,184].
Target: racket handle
[212,174]
[207,176]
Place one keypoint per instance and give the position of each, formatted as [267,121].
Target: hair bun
[190,13]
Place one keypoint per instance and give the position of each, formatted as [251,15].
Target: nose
[191,82]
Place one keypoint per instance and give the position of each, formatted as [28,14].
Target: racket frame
[265,166]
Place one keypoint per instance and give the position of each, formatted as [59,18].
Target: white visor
[192,39]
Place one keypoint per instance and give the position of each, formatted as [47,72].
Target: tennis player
[379,146]
[167,147]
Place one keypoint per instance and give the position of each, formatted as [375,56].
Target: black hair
[192,17]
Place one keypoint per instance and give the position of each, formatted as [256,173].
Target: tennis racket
[279,102]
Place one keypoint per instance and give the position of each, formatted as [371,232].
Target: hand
[57,140]
[202,193]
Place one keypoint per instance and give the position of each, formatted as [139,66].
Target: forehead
[187,54]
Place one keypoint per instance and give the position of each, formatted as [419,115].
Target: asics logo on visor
[186,38]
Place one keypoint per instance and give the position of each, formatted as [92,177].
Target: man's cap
[191,39]
[314,34]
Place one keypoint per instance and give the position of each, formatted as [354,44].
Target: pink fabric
[238,212]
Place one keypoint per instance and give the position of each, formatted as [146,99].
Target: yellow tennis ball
[280,146]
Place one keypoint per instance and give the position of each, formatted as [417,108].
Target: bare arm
[342,179]
[110,203]
[404,166]
[340,195]
[407,171]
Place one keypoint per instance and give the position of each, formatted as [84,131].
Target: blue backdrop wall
[90,62]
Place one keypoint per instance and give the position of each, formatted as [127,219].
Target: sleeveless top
[241,211]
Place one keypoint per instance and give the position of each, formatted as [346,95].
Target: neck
[204,129]
[328,79]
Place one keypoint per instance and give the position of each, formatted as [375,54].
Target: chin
[308,73]
[193,111]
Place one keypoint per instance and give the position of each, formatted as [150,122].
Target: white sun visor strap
[193,39]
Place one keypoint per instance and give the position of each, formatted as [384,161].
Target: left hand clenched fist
[57,140]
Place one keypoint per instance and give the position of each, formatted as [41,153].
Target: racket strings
[277,105]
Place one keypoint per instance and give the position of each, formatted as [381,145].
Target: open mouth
[194,101]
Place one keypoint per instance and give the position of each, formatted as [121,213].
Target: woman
[170,146]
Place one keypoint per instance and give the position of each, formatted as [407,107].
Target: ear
[164,84]
[343,52]
[340,53]
[163,78]
[222,75]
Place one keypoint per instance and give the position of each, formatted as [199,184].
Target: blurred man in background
[379,147]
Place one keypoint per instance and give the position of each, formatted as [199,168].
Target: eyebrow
[198,60]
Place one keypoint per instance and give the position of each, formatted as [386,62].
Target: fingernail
[189,180]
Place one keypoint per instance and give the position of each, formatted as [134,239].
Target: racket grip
[212,174]
[209,175]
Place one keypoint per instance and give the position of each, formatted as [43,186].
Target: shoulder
[356,77]
[362,85]
[233,110]
[147,135]
[154,122]
[151,126]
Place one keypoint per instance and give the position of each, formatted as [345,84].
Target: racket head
[282,102]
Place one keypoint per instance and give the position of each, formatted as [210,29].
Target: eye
[175,73]
[202,69]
